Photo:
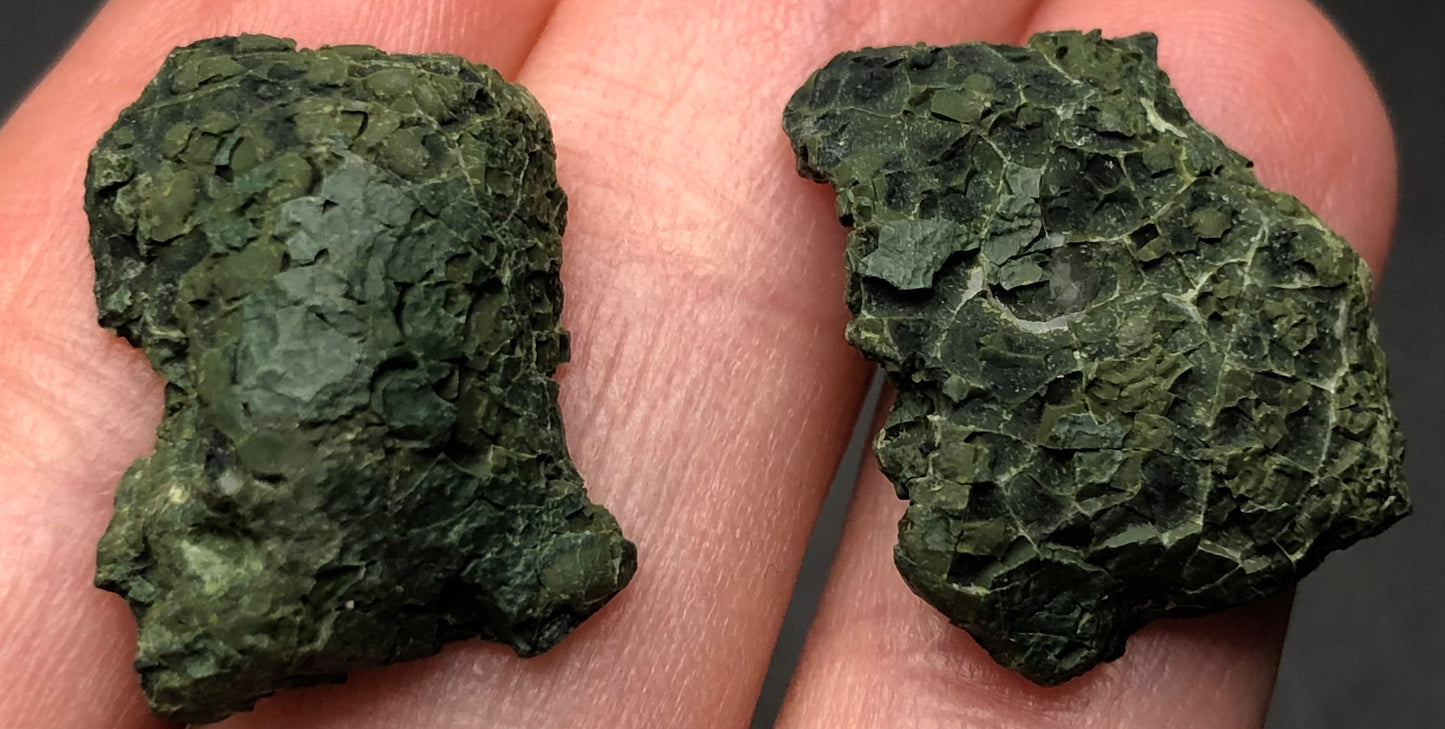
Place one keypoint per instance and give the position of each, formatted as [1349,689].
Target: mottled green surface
[344,264]
[1132,382]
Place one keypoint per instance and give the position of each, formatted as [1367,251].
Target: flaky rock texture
[1132,382]
[344,263]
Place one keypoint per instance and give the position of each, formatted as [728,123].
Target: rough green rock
[1132,382]
[344,263]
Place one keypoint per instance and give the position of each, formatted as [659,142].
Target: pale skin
[710,393]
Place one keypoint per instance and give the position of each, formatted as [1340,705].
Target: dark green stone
[344,263]
[1132,382]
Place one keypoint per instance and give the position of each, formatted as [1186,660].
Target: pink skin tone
[710,392]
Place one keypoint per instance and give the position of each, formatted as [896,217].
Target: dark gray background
[1367,644]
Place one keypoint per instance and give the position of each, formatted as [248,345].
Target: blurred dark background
[1366,646]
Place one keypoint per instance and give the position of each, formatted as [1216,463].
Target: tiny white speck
[229,483]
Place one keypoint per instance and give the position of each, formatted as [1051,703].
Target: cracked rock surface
[344,264]
[1132,382]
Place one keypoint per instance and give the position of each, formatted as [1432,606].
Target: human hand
[710,392]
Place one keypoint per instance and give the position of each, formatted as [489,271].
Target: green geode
[1132,382]
[345,265]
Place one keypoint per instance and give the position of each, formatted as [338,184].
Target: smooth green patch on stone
[1132,382]
[344,263]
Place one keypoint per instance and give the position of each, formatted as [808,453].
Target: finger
[710,393]
[1277,82]
[76,404]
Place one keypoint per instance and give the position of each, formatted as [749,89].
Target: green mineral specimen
[1132,382]
[345,265]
